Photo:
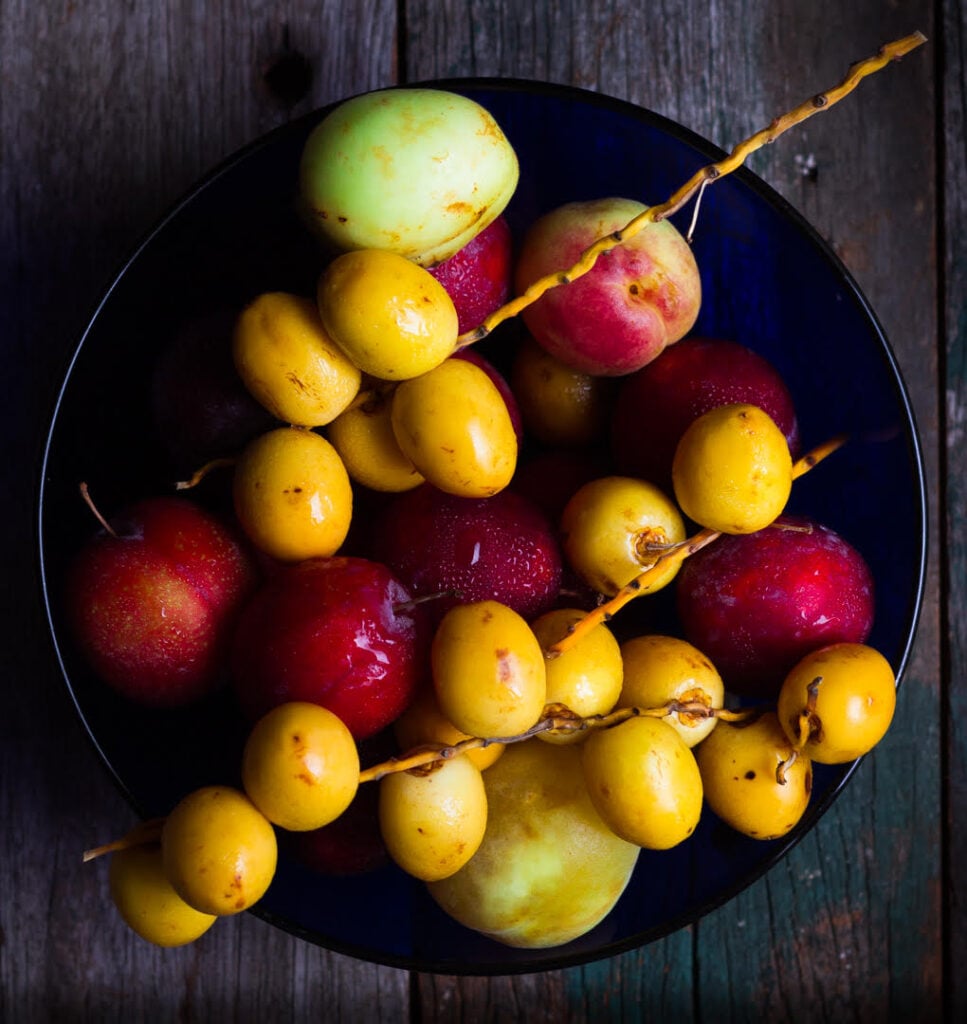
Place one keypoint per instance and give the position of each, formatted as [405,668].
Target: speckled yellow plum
[587,677]
[363,436]
[392,318]
[488,670]
[658,669]
[616,527]
[854,703]
[738,765]
[644,782]
[218,850]
[732,470]
[289,363]
[433,821]
[300,766]
[292,495]
[147,901]
[454,426]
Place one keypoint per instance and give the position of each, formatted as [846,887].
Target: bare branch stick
[558,719]
[639,585]
[706,175]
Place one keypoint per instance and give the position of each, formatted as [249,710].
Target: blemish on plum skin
[750,774]
[504,670]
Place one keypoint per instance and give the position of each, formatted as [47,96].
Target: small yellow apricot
[289,363]
[218,850]
[615,528]
[453,425]
[853,706]
[659,669]
[433,821]
[644,782]
[147,901]
[738,766]
[300,766]
[559,405]
[292,495]
[488,670]
[732,470]
[364,438]
[586,678]
[391,317]
[423,722]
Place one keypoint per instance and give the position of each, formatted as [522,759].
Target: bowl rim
[472,86]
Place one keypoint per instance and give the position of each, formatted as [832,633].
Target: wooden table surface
[109,111]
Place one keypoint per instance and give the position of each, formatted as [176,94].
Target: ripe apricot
[732,470]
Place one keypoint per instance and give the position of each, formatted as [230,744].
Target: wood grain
[109,112]
[954,512]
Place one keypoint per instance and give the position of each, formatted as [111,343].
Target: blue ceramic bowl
[769,281]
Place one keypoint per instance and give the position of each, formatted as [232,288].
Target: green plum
[418,172]
[548,869]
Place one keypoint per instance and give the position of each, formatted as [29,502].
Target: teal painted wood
[654,983]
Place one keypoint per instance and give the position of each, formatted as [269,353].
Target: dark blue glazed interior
[769,282]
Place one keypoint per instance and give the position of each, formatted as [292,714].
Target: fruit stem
[807,725]
[404,607]
[89,501]
[196,478]
[816,455]
[705,176]
[146,832]
[606,611]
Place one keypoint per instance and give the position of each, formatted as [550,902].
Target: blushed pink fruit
[501,548]
[756,603]
[153,606]
[340,632]
[638,298]
[657,403]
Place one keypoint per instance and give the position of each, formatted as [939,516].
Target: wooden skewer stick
[705,176]
[639,585]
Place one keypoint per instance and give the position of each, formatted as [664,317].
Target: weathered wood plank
[108,112]
[954,311]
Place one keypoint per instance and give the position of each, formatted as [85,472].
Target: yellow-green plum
[548,869]
[418,172]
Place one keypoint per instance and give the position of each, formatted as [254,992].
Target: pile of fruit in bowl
[452,608]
